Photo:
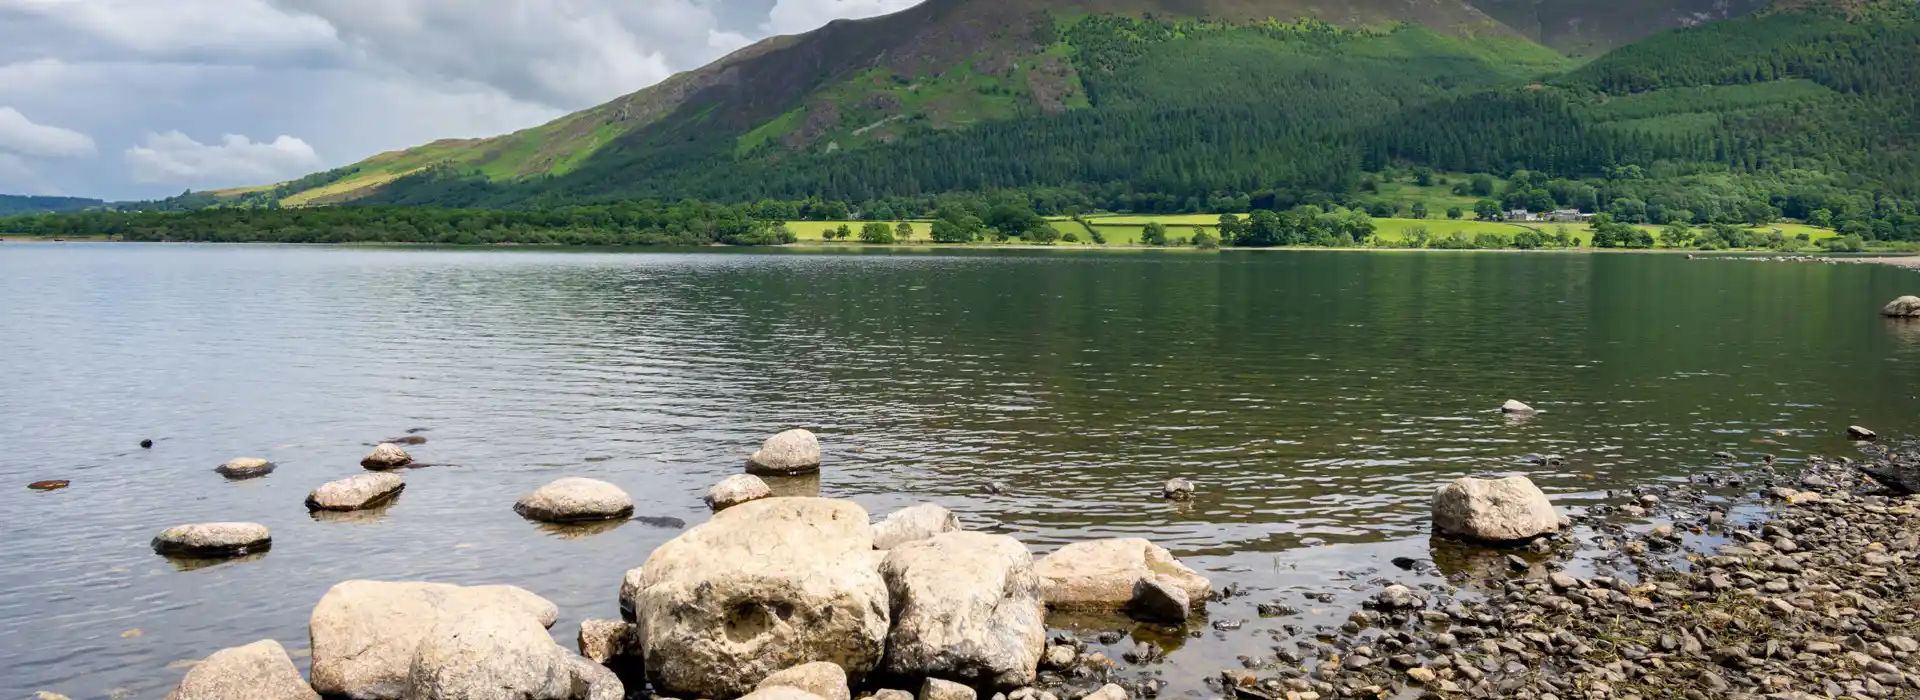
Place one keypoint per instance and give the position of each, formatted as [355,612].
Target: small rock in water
[1177,490]
[407,440]
[1406,563]
[1276,610]
[1397,597]
[386,456]
[1159,600]
[355,492]
[997,488]
[1512,406]
[1903,307]
[1723,455]
[1855,432]
[1228,625]
[146,444]
[662,522]
[49,485]
[574,500]
[790,453]
[1493,510]
[1517,564]
[245,468]
[735,490]
[213,540]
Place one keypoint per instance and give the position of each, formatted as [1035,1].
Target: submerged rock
[914,523]
[146,444]
[735,490]
[966,607]
[1099,575]
[1493,510]
[576,500]
[761,587]
[364,633]
[795,451]
[1177,490]
[820,678]
[1159,599]
[245,468]
[386,456]
[1512,406]
[50,485]
[355,492]
[211,540]
[258,671]
[1903,307]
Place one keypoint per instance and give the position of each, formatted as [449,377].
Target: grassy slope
[1124,230]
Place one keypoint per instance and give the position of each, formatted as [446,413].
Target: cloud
[794,16]
[20,136]
[174,157]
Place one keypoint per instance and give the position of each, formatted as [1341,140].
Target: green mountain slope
[1195,99]
[18,204]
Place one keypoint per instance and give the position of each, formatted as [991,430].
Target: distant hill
[1195,98]
[11,205]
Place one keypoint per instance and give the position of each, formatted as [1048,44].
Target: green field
[815,231]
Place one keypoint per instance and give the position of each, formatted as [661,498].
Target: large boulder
[792,452]
[356,492]
[735,490]
[489,653]
[258,671]
[1100,575]
[386,456]
[1903,307]
[915,523]
[966,608]
[576,500]
[364,633]
[761,587]
[820,678]
[1493,510]
[213,540]
[245,468]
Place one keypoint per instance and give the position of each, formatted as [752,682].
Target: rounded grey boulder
[355,492]
[913,524]
[1493,510]
[735,490]
[258,671]
[386,456]
[1903,307]
[213,540]
[245,468]
[795,451]
[576,500]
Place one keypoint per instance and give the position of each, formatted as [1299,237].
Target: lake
[1316,397]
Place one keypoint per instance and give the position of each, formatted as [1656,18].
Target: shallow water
[1316,397]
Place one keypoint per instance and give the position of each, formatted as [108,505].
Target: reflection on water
[1317,398]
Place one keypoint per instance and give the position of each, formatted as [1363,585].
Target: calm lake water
[1317,398]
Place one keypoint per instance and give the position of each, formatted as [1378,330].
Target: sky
[137,99]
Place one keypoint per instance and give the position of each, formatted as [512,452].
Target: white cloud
[21,136]
[794,16]
[174,157]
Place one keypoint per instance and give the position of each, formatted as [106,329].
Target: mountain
[1189,99]
[11,205]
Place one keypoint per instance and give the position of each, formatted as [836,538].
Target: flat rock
[1493,510]
[576,500]
[1855,432]
[258,671]
[735,490]
[364,633]
[793,452]
[50,485]
[245,468]
[821,678]
[213,540]
[914,523]
[967,608]
[1099,575]
[761,587]
[356,492]
[386,456]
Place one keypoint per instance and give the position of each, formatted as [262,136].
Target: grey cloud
[23,137]
[174,157]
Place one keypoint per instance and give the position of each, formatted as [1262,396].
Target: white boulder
[576,500]
[915,523]
[356,492]
[763,586]
[1493,510]
[1099,575]
[1512,406]
[792,452]
[245,468]
[364,633]
[966,608]
[258,671]
[1903,307]
[489,653]
[735,490]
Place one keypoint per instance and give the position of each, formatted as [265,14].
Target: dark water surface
[1316,397]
